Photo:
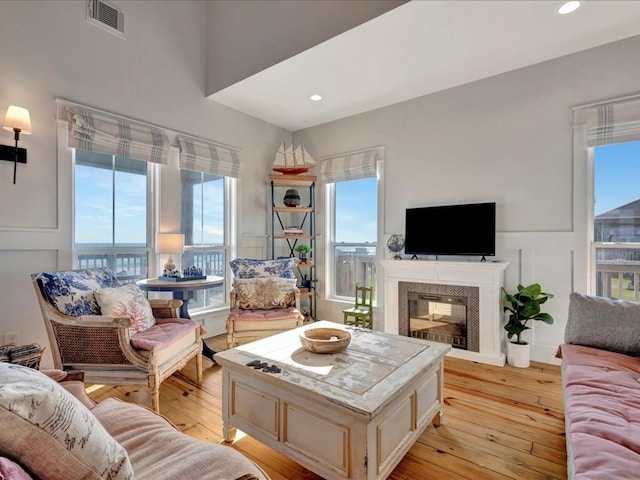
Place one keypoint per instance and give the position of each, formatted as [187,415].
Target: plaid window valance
[350,166]
[208,157]
[616,121]
[98,131]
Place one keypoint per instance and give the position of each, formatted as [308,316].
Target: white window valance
[203,156]
[350,166]
[97,131]
[616,121]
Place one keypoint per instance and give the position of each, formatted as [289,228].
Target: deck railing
[354,264]
[128,267]
[618,271]
[131,267]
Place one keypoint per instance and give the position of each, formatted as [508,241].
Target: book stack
[292,231]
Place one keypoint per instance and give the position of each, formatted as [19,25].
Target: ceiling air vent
[106,17]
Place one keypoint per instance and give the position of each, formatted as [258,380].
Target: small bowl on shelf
[325,340]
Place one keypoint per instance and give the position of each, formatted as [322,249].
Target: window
[111,214]
[616,220]
[354,235]
[203,223]
[352,184]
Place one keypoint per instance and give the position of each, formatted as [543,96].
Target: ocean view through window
[111,214]
[203,209]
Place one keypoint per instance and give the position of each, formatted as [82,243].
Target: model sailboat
[292,161]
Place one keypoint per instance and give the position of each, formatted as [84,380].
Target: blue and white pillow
[72,292]
[251,268]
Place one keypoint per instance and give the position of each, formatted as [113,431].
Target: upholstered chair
[112,333]
[264,299]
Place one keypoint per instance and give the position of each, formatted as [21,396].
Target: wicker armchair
[101,346]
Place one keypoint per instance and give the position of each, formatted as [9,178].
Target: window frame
[594,246]
[151,175]
[229,239]
[330,244]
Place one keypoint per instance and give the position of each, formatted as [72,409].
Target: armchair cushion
[250,268]
[71,292]
[264,293]
[50,433]
[166,332]
[127,301]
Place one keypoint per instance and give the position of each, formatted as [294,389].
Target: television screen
[467,229]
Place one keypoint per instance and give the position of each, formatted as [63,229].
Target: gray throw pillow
[604,323]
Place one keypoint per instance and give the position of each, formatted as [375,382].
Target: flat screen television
[464,229]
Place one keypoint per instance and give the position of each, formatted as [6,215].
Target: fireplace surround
[480,281]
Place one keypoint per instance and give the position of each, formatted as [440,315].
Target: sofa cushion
[71,292]
[603,323]
[265,293]
[51,434]
[251,268]
[157,450]
[9,470]
[127,301]
[602,408]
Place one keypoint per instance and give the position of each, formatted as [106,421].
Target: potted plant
[303,251]
[522,307]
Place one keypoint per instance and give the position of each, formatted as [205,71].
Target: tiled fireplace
[461,298]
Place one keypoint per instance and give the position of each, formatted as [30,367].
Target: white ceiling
[423,47]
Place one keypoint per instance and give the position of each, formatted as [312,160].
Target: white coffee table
[349,415]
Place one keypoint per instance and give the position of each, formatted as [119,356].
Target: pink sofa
[602,388]
[53,431]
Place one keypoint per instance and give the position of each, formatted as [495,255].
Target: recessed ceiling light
[568,7]
[316,97]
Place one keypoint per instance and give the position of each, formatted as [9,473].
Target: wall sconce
[18,121]
[170,243]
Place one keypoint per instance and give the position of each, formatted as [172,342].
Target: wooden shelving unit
[303,217]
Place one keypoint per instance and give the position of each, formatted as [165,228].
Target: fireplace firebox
[439,318]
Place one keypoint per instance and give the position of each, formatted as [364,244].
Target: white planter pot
[518,354]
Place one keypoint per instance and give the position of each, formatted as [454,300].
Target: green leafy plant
[524,306]
[303,249]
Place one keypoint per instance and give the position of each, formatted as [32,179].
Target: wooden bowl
[325,340]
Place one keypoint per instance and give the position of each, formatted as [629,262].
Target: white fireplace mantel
[488,277]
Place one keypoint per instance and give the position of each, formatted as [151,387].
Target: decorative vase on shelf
[291,198]
[395,243]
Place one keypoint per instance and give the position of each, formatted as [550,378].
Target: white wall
[506,139]
[157,75]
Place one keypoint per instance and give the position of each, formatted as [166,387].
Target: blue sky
[356,211]
[93,210]
[94,190]
[617,176]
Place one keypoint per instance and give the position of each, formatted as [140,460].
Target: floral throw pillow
[265,293]
[250,268]
[127,301]
[71,292]
[51,433]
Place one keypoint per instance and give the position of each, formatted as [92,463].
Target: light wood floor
[499,423]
